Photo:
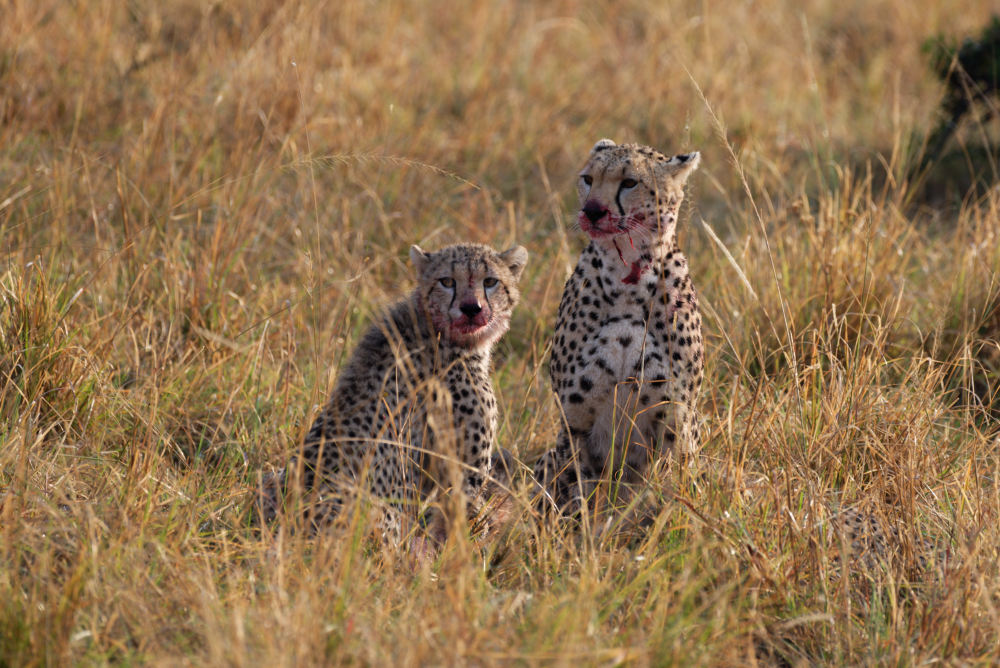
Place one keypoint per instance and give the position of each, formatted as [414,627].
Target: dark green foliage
[970,72]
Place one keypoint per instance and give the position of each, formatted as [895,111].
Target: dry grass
[201,203]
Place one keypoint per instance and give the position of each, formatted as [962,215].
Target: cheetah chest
[616,352]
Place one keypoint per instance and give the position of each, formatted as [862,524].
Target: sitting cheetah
[627,357]
[415,399]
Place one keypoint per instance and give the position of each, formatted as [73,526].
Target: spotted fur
[872,543]
[413,413]
[627,356]
[862,540]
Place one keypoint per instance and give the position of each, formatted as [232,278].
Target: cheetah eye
[447,282]
[629,183]
[490,282]
[587,179]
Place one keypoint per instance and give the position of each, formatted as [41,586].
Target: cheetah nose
[594,211]
[471,310]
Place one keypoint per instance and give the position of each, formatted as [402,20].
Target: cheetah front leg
[623,441]
[686,353]
[564,477]
[457,462]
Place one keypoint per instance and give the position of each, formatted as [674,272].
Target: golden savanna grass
[201,204]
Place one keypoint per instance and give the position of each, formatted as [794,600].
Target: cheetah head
[632,190]
[469,291]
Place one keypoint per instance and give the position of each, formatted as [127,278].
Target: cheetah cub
[627,358]
[413,412]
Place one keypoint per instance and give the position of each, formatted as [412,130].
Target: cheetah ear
[602,145]
[681,165]
[515,258]
[419,258]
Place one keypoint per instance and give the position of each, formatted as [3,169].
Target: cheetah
[415,398]
[869,540]
[627,360]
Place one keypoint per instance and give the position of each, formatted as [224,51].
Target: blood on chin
[471,335]
[468,327]
[632,224]
[595,233]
